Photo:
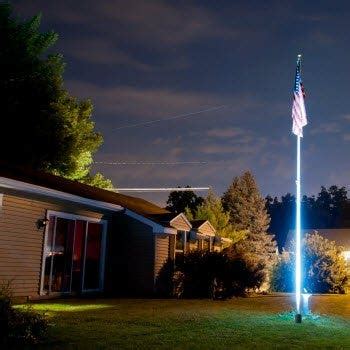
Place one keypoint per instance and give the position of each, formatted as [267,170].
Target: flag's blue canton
[297,78]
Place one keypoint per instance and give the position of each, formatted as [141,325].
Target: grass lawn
[263,322]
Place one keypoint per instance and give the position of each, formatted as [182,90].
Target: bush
[19,326]
[324,268]
[213,275]
[5,309]
[27,326]
[282,276]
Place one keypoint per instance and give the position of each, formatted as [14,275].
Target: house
[59,237]
[341,236]
[201,236]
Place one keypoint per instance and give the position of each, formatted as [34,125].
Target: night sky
[145,60]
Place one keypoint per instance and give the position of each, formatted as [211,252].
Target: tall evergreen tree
[247,211]
[43,126]
[211,209]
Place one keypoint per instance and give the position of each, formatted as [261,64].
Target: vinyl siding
[162,253]
[21,242]
[133,269]
[180,224]
[206,230]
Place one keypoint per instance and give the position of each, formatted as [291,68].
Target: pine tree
[247,211]
[212,210]
[44,127]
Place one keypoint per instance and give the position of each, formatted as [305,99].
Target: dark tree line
[329,209]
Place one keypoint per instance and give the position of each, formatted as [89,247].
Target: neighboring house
[341,236]
[202,236]
[62,237]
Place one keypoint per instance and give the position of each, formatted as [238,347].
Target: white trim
[157,228]
[88,219]
[46,231]
[30,188]
[1,200]
[182,215]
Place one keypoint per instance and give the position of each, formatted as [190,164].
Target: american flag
[298,110]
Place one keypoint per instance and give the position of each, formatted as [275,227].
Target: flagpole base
[298,318]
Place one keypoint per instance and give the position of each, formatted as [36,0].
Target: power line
[162,189]
[168,118]
[151,163]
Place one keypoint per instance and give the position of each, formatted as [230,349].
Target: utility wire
[162,189]
[149,163]
[168,118]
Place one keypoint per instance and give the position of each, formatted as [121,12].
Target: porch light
[41,223]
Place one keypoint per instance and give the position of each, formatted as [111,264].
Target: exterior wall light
[41,223]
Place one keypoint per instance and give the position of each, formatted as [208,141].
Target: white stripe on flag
[299,113]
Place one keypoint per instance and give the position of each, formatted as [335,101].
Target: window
[206,244]
[73,255]
[180,242]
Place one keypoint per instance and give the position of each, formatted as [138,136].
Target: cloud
[148,103]
[101,51]
[225,132]
[326,128]
[346,137]
[156,23]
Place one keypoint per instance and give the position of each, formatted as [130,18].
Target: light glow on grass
[63,307]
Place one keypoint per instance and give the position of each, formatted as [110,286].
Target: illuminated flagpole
[299,121]
[298,234]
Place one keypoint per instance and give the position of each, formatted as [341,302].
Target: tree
[178,201]
[326,270]
[211,209]
[324,267]
[329,209]
[247,211]
[45,128]
[282,214]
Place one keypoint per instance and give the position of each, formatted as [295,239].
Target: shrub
[19,326]
[5,309]
[27,326]
[282,276]
[326,270]
[213,275]
[324,267]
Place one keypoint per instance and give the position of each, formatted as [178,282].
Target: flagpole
[298,278]
[298,237]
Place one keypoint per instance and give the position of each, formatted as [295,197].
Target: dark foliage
[215,275]
[19,326]
[330,209]
[26,326]
[43,126]
[178,201]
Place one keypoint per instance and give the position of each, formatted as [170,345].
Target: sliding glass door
[73,254]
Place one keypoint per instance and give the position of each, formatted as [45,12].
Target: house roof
[197,223]
[40,178]
[340,235]
[203,226]
[178,221]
